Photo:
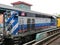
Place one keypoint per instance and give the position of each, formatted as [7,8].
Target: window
[22,13]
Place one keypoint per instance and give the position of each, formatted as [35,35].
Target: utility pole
[4,31]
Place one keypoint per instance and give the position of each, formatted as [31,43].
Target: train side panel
[42,22]
[28,23]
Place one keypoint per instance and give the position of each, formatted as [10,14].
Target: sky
[44,6]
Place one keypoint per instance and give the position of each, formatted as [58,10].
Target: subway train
[26,24]
[21,22]
[58,22]
[17,21]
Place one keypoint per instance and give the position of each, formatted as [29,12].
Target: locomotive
[19,24]
[25,24]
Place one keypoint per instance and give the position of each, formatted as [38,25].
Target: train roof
[13,8]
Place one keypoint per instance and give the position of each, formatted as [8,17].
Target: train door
[28,24]
[22,24]
[33,24]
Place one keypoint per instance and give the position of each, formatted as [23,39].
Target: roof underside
[13,8]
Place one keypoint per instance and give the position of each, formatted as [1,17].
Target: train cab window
[28,21]
[33,24]
[22,23]
[28,24]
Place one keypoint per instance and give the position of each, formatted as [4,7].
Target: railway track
[45,41]
[56,42]
[48,40]
[30,43]
[52,40]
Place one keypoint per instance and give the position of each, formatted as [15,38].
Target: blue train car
[20,22]
[25,24]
